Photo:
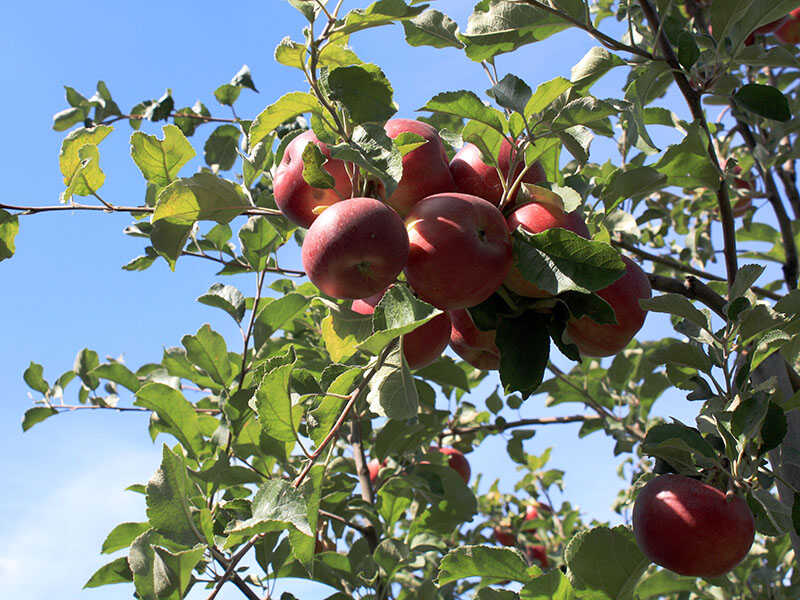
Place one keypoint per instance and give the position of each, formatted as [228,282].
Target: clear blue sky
[65,290]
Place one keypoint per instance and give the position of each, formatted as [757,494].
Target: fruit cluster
[444,228]
[536,553]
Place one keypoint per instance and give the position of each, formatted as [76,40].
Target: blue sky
[65,290]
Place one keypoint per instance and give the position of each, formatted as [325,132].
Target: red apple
[423,345]
[505,536]
[476,347]
[457,461]
[355,248]
[690,527]
[536,217]
[473,176]
[623,295]
[374,467]
[425,168]
[296,199]
[789,31]
[536,553]
[743,203]
[459,250]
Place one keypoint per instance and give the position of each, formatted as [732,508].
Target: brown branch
[788,177]
[250,327]
[230,575]
[677,265]
[333,517]
[692,98]
[693,289]
[784,223]
[500,427]
[32,210]
[204,118]
[367,493]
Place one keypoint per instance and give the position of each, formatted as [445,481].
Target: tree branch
[134,210]
[789,180]
[693,289]
[500,427]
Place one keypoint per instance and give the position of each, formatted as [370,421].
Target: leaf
[259,239]
[36,415]
[342,331]
[596,62]
[277,313]
[329,409]
[85,361]
[364,91]
[432,28]
[445,372]
[682,354]
[746,276]
[511,93]
[117,571]
[398,312]
[488,140]
[168,240]
[275,506]
[175,411]
[274,406]
[392,392]
[663,582]
[467,105]
[167,496]
[33,377]
[303,545]
[378,14]
[688,52]
[9,227]
[122,536]
[88,177]
[221,147]
[545,94]
[68,159]
[605,559]
[524,345]
[227,94]
[161,160]
[66,118]
[764,100]
[675,304]
[314,172]
[374,151]
[487,562]
[632,183]
[687,164]
[118,373]
[558,260]
[243,78]
[226,297]
[202,197]
[286,107]
[677,444]
[208,351]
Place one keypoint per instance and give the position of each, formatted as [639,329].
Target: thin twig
[134,210]
[500,427]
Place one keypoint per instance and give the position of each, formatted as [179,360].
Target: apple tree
[318,447]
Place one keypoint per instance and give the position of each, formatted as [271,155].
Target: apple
[425,168]
[594,339]
[532,510]
[473,176]
[296,199]
[536,217]
[789,31]
[374,466]
[504,536]
[422,346]
[476,347]
[690,527]
[536,553]
[457,461]
[459,250]
[355,248]
[743,203]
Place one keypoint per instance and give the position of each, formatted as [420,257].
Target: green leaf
[68,117]
[33,377]
[273,405]
[203,196]
[314,172]
[764,100]
[36,415]
[554,585]
[208,351]
[161,160]
[122,536]
[175,411]
[227,94]
[88,177]
[221,146]
[290,53]
[407,141]
[392,392]
[117,571]
[118,373]
[336,53]
[524,345]
[677,444]
[687,164]
[490,563]
[177,569]
[467,105]
[303,545]
[168,505]
[663,582]
[276,313]
[226,297]
[364,91]
[243,78]
[68,159]
[605,559]
[188,124]
[286,107]
[168,240]
[398,312]
[596,62]
[675,304]
[746,276]
[487,139]
[85,361]
[445,372]
[9,227]
[558,260]
[342,331]
[259,239]
[377,14]
[581,111]
[275,506]
[512,93]
[635,182]
[374,151]
[774,429]
[688,52]
[545,94]
[682,354]
[432,28]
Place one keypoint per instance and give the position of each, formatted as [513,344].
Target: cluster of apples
[536,553]
[443,227]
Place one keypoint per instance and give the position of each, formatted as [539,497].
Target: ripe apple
[425,168]
[476,347]
[536,217]
[457,461]
[690,527]
[296,199]
[623,295]
[355,248]
[374,466]
[532,510]
[459,250]
[504,536]
[423,345]
[473,176]
[743,203]
[789,31]
[536,553]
